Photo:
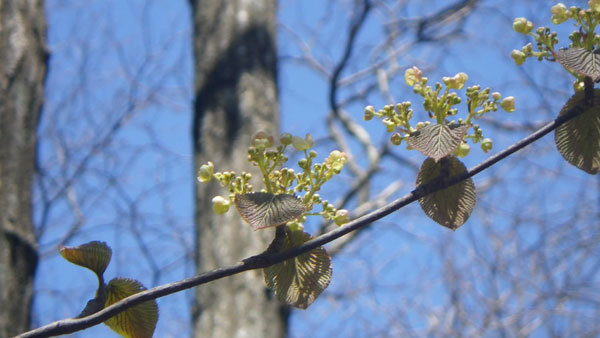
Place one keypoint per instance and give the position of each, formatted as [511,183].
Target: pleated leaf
[299,281]
[94,255]
[578,140]
[263,210]
[580,61]
[438,140]
[452,206]
[136,322]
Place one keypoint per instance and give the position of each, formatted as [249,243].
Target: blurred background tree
[23,58]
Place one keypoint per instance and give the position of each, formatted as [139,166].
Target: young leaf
[438,140]
[580,61]
[136,322]
[452,206]
[299,281]
[263,210]
[94,255]
[578,140]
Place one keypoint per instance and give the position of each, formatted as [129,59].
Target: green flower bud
[486,145]
[594,5]
[369,113]
[522,25]
[220,204]
[508,104]
[560,13]
[457,81]
[389,125]
[412,76]
[285,139]
[341,217]
[527,49]
[262,140]
[300,143]
[462,150]
[206,171]
[518,56]
[336,160]
[302,163]
[396,139]
[496,96]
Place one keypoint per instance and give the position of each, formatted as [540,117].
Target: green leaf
[299,281]
[136,322]
[94,255]
[263,210]
[578,140]
[438,140]
[452,206]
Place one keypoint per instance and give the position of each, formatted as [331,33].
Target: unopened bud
[300,143]
[560,13]
[508,104]
[206,171]
[369,113]
[412,76]
[518,56]
[341,217]
[262,140]
[462,150]
[594,5]
[285,139]
[522,25]
[220,204]
[396,139]
[486,145]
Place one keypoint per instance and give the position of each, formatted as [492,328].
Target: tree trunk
[23,59]
[235,97]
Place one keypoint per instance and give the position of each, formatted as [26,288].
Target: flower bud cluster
[582,37]
[440,102]
[270,159]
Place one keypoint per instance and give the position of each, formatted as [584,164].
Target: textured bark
[23,59]
[236,96]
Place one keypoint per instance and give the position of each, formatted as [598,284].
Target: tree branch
[267,259]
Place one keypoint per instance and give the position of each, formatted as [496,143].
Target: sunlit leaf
[93,255]
[578,140]
[136,322]
[299,281]
[438,140]
[580,61]
[262,210]
[452,206]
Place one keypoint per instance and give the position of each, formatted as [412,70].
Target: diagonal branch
[267,259]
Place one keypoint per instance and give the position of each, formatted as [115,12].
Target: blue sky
[142,182]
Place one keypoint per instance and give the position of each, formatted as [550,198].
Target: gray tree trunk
[235,97]
[23,59]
